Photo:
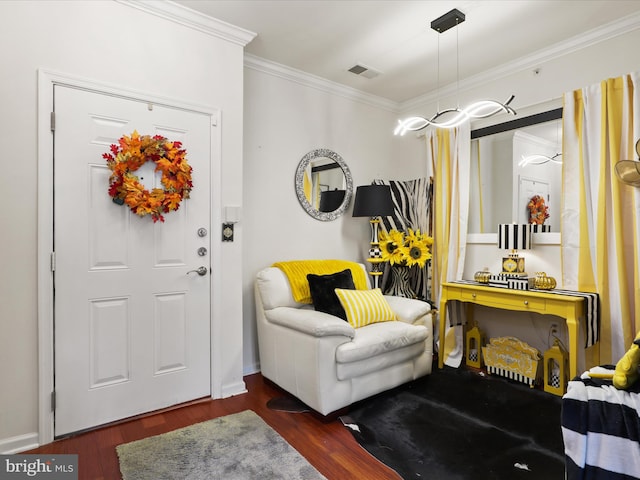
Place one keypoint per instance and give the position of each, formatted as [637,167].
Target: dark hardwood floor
[327,445]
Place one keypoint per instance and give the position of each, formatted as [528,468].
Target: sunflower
[390,245]
[416,249]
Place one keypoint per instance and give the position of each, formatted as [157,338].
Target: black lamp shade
[373,201]
[330,200]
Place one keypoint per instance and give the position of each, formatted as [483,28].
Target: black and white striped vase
[399,282]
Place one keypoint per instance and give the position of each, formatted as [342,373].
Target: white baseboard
[19,444]
[251,369]
[234,389]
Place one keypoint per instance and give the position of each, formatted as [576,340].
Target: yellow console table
[571,308]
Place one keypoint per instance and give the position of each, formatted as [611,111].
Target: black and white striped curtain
[412,201]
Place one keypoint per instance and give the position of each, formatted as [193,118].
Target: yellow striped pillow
[364,307]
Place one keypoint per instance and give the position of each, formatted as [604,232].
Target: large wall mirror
[324,185]
[510,163]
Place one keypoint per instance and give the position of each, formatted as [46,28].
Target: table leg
[443,328]
[572,328]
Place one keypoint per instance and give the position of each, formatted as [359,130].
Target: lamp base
[375,254]
[513,264]
[376,270]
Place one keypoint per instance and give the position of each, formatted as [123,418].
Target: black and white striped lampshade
[513,236]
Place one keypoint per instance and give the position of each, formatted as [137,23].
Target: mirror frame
[543,117]
[302,166]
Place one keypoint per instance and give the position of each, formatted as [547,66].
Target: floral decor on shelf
[405,249]
[170,159]
[538,211]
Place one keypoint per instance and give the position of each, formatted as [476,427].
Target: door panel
[132,327]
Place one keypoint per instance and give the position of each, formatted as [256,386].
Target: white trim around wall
[193,19]
[547,238]
[46,80]
[313,81]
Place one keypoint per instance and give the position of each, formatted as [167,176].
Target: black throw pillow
[323,293]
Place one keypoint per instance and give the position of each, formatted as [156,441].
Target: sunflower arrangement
[170,159]
[538,211]
[407,249]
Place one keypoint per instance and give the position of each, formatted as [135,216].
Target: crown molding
[319,83]
[193,19]
[203,23]
[211,26]
[574,44]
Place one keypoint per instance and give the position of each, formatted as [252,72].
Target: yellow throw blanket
[297,270]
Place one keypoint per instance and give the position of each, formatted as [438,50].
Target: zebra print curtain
[412,209]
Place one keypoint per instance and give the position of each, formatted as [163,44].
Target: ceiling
[325,37]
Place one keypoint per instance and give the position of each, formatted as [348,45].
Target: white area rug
[239,446]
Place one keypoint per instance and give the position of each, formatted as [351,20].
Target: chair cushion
[323,293]
[380,338]
[364,307]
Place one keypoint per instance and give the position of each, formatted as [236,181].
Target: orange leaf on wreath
[129,155]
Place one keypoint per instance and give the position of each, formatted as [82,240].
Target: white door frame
[46,81]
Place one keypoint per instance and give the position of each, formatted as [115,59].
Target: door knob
[202,271]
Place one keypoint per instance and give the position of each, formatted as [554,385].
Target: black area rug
[288,404]
[457,424]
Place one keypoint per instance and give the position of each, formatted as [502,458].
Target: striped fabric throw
[600,429]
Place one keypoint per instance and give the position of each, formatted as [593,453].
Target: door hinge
[53,261]
[53,121]
[53,401]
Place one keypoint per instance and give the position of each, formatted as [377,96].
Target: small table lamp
[514,237]
[374,201]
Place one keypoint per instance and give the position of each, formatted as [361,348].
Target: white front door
[132,326]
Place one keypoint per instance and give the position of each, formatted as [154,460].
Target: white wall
[122,46]
[285,119]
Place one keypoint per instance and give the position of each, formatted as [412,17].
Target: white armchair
[325,362]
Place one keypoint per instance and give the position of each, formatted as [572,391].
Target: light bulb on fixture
[480,109]
[452,117]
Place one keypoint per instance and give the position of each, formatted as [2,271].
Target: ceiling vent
[364,71]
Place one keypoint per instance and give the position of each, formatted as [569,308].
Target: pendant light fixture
[452,117]
[541,159]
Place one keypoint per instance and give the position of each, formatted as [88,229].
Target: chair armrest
[311,322]
[408,309]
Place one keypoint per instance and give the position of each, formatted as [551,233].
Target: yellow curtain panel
[449,162]
[600,230]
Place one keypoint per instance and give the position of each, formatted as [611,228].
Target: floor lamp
[374,201]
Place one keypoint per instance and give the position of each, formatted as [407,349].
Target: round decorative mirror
[323,184]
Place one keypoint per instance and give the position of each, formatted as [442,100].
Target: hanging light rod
[452,117]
